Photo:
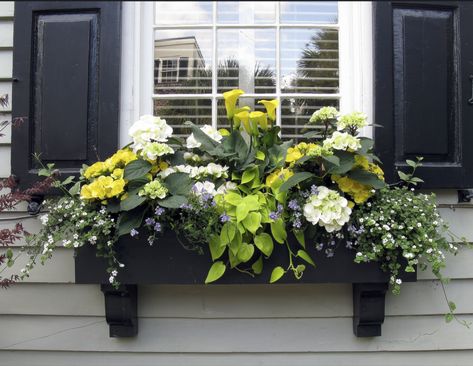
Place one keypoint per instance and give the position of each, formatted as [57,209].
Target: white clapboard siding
[6,138]
[4,161]
[6,33]
[223,301]
[7,9]
[6,62]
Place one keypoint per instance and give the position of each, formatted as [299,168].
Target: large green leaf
[365,177]
[216,250]
[179,184]
[277,154]
[130,220]
[264,243]
[278,230]
[132,201]
[216,271]
[207,144]
[277,273]
[245,252]
[366,145]
[228,233]
[173,201]
[137,169]
[294,180]
[236,144]
[347,160]
[252,222]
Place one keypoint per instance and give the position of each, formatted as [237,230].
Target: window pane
[246,60]
[308,12]
[246,12]
[183,12]
[178,111]
[172,47]
[296,112]
[309,61]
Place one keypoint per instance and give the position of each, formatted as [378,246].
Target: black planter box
[167,262]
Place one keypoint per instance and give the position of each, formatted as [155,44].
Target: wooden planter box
[167,262]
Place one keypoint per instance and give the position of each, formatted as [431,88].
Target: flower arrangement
[242,192]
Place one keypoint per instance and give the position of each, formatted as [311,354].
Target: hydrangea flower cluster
[197,172]
[324,114]
[154,190]
[328,209]
[209,131]
[352,121]
[342,141]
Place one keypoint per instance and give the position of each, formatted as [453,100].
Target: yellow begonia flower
[270,106]
[293,154]
[231,98]
[95,170]
[244,117]
[278,177]
[259,118]
[102,188]
[117,173]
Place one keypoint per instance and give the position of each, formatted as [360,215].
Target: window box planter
[167,262]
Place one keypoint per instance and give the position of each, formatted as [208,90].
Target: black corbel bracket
[368,308]
[121,310]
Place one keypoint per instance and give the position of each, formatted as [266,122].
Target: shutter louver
[66,65]
[422,86]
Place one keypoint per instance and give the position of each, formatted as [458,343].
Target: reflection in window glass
[183,12]
[246,12]
[309,61]
[187,54]
[247,60]
[308,12]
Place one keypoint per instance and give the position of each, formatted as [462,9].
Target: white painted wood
[7,8]
[404,333]
[4,161]
[6,62]
[6,33]
[6,138]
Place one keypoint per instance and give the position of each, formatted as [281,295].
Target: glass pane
[309,12]
[222,121]
[296,112]
[309,61]
[246,60]
[246,12]
[183,12]
[178,111]
[183,61]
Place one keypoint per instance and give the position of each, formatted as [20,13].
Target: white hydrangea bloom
[355,119]
[327,209]
[154,149]
[197,172]
[208,187]
[227,186]
[149,129]
[324,114]
[192,143]
[342,141]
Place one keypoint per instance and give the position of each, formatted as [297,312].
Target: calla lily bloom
[231,98]
[243,117]
[259,118]
[270,106]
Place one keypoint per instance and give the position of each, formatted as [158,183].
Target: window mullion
[214,65]
[278,63]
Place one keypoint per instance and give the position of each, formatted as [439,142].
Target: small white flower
[44,219]
[398,281]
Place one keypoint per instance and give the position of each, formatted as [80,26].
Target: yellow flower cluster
[302,149]
[102,188]
[359,192]
[278,177]
[117,161]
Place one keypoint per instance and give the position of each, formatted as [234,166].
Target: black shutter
[423,54]
[66,69]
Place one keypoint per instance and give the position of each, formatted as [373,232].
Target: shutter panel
[66,67]
[422,63]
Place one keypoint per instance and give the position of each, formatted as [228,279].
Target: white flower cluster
[324,114]
[197,172]
[149,135]
[356,120]
[342,141]
[328,209]
[209,131]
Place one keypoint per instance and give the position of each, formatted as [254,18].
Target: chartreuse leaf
[248,175]
[216,271]
[278,230]
[228,233]
[295,179]
[234,261]
[260,155]
[236,243]
[136,169]
[305,256]
[216,250]
[299,234]
[245,252]
[257,267]
[264,243]
[252,222]
[233,198]
[242,211]
[277,273]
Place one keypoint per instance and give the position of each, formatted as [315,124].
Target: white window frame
[137,76]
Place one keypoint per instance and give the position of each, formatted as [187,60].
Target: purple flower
[186,206]
[293,205]
[273,215]
[149,221]
[224,218]
[349,244]
[329,253]
[297,223]
[134,232]
[314,189]
[159,211]
[206,196]
[157,227]
[319,246]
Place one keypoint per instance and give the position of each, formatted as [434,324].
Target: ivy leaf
[216,250]
[295,179]
[305,256]
[248,176]
[216,271]
[173,201]
[252,222]
[278,230]
[245,252]
[257,267]
[136,169]
[367,178]
[299,234]
[264,243]
[277,273]
[242,211]
[228,233]
[178,184]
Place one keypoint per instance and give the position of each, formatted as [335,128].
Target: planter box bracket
[121,310]
[368,308]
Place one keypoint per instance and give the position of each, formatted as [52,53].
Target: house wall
[49,320]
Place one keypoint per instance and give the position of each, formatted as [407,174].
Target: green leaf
[257,267]
[44,173]
[235,243]
[448,317]
[294,180]
[216,250]
[252,222]
[216,271]
[242,211]
[311,134]
[136,169]
[366,145]
[260,155]
[403,176]
[130,220]
[207,144]
[332,159]
[228,233]
[248,175]
[75,189]
[305,256]
[9,253]
[245,252]
[365,177]
[233,198]
[277,273]
[411,163]
[278,230]
[452,306]
[136,184]
[347,160]
[179,184]
[299,234]
[132,201]
[235,144]
[264,243]
[234,261]
[173,201]
[68,180]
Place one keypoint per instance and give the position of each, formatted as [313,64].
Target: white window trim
[137,75]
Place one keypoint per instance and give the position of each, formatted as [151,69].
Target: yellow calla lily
[270,106]
[243,117]
[223,132]
[231,98]
[259,118]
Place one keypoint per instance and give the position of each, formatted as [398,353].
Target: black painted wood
[66,61]
[368,308]
[422,63]
[121,309]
